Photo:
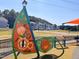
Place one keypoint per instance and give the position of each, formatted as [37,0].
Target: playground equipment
[23,39]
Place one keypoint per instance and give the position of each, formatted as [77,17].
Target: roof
[3,22]
[3,19]
[73,21]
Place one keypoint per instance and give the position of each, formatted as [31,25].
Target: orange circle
[45,44]
[22,48]
[30,45]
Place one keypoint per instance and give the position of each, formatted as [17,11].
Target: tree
[55,26]
[11,18]
[5,13]
[0,13]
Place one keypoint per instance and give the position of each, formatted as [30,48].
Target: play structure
[23,40]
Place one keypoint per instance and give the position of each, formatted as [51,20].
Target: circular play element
[47,56]
[22,44]
[31,47]
[45,45]
[25,46]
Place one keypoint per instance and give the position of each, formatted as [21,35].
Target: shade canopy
[74,21]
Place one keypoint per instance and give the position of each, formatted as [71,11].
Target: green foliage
[11,15]
[37,20]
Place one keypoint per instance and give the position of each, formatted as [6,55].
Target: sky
[54,11]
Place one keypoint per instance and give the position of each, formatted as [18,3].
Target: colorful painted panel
[45,44]
[22,36]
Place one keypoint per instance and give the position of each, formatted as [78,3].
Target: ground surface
[8,33]
[71,53]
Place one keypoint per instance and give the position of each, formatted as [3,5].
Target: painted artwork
[23,39]
[22,36]
[45,44]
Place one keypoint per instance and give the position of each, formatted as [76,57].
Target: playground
[24,42]
[69,52]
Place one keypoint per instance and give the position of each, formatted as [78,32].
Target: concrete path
[76,53]
[5,52]
[66,55]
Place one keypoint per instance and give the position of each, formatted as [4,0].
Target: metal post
[24,7]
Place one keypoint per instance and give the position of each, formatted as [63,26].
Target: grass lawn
[5,32]
[42,33]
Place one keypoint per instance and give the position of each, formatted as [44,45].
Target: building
[3,22]
[42,26]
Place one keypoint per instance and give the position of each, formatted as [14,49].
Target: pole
[24,7]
